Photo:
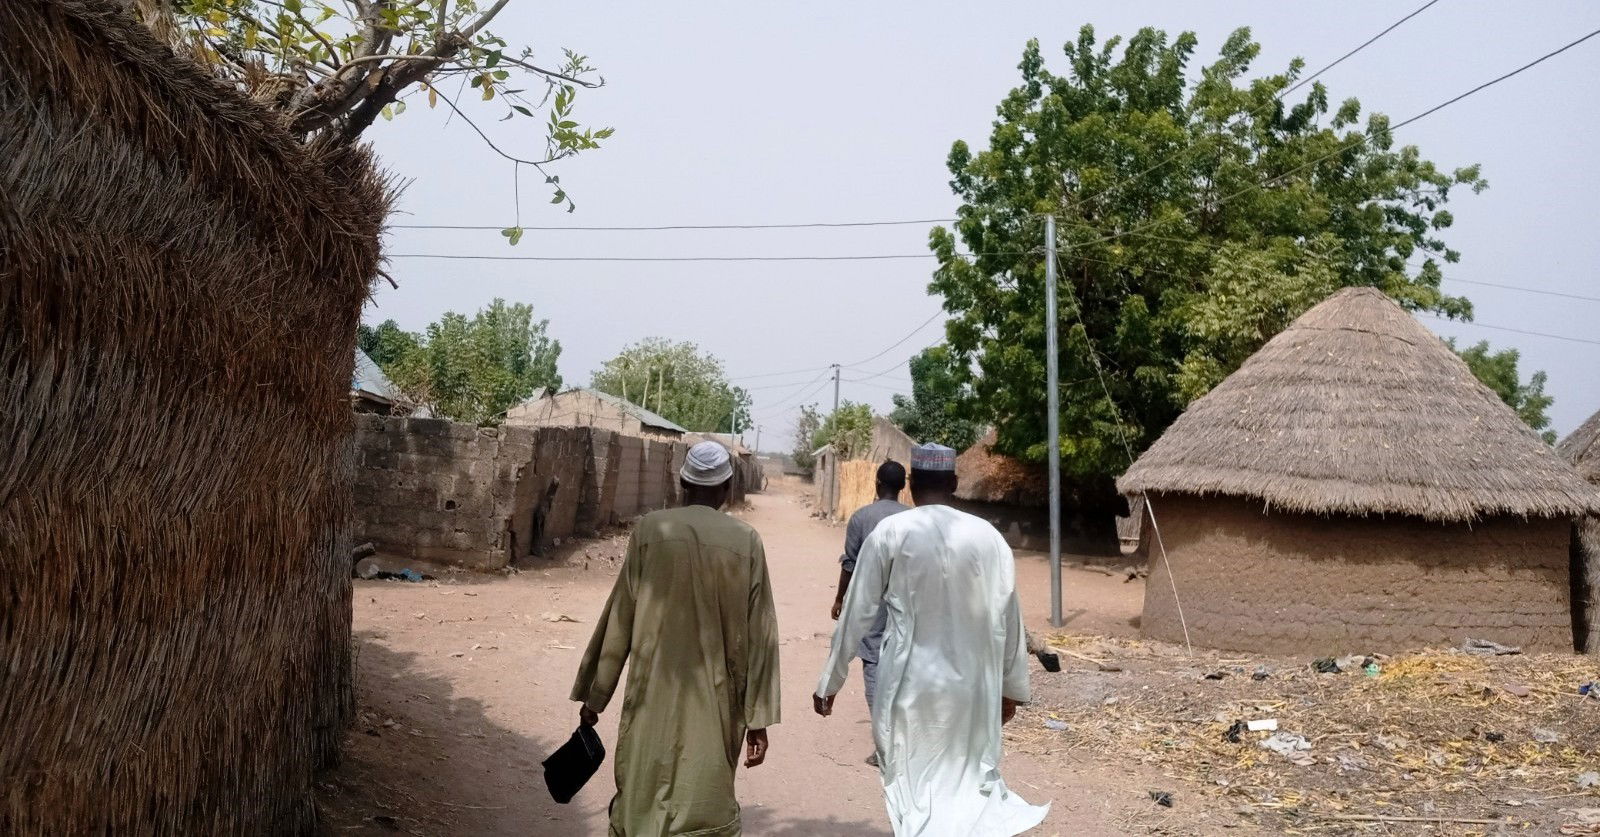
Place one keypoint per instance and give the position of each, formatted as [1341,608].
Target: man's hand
[587,716]
[1008,710]
[838,605]
[823,705]
[755,747]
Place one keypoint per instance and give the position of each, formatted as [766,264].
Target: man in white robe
[953,665]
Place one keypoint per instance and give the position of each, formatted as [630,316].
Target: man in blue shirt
[891,481]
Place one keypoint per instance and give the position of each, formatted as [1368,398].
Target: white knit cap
[707,464]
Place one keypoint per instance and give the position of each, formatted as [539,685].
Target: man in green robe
[693,612]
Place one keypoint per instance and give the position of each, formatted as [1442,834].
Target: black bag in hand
[570,768]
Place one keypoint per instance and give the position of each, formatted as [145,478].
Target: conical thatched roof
[1582,449]
[1357,409]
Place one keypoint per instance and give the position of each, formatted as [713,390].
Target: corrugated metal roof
[644,416]
[370,381]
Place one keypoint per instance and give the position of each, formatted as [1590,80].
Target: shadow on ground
[769,823]
[467,774]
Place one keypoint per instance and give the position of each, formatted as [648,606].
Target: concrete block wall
[435,490]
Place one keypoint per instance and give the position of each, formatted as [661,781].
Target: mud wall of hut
[1286,583]
[487,497]
[179,291]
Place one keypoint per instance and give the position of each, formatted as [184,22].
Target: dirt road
[463,691]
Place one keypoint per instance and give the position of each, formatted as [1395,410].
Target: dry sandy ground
[463,691]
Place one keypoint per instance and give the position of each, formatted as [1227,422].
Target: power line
[661,227]
[892,347]
[1257,112]
[1362,140]
[778,374]
[881,257]
[1522,288]
[1369,42]
[1518,330]
[896,390]
[898,343]
[1156,270]
[800,402]
[786,385]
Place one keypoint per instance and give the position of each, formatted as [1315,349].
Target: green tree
[387,343]
[1194,221]
[470,370]
[941,404]
[333,67]
[848,429]
[1498,371]
[678,381]
[805,432]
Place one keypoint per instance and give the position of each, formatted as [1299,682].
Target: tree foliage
[1194,221]
[470,370]
[940,406]
[333,67]
[805,432]
[848,429]
[1498,370]
[678,381]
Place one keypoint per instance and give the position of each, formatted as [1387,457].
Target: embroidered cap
[933,457]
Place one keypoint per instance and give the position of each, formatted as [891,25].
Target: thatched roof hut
[1353,484]
[1582,449]
[987,476]
[179,292]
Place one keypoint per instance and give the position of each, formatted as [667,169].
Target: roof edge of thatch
[1290,494]
[1356,408]
[1581,447]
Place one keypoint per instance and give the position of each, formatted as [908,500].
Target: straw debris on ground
[1435,737]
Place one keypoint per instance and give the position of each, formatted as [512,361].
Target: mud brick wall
[437,490]
[1295,584]
[560,453]
[598,504]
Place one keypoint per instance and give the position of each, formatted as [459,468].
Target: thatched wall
[1582,449]
[179,289]
[1280,582]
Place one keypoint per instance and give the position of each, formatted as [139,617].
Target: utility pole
[1052,313]
[836,387]
[758,439]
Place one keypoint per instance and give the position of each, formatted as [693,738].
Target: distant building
[592,408]
[1352,488]
[1582,449]
[371,390]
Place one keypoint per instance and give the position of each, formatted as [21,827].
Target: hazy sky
[769,113]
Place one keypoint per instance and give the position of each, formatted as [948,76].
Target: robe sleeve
[601,668]
[861,606]
[762,688]
[1014,682]
[852,542]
